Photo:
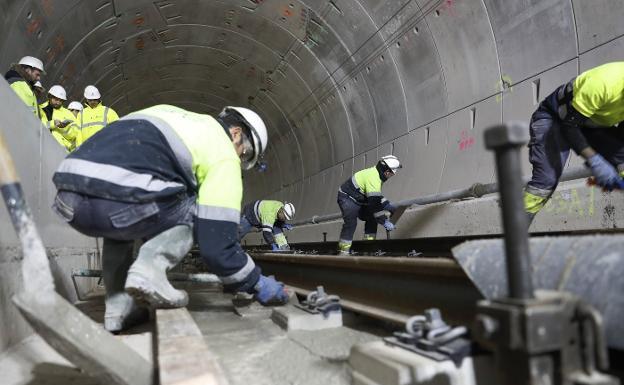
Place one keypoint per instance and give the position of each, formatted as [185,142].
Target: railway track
[387,288]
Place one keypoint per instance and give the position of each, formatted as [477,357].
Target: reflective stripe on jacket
[92,120]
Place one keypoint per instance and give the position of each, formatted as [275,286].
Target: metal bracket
[430,336]
[319,302]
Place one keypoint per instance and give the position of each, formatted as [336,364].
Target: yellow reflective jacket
[92,120]
[25,92]
[66,136]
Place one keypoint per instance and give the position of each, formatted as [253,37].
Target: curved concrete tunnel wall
[339,83]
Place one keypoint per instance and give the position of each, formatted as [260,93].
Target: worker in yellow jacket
[584,115]
[186,180]
[94,116]
[59,120]
[22,77]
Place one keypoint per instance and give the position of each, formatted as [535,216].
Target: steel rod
[477,190]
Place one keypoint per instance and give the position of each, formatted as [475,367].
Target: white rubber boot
[147,278]
[122,311]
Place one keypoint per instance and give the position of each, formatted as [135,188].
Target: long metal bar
[477,190]
[390,289]
[505,140]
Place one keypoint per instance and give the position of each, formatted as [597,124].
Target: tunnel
[339,83]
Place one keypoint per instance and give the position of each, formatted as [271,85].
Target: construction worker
[360,197]
[580,115]
[164,174]
[22,77]
[60,121]
[94,116]
[75,108]
[270,217]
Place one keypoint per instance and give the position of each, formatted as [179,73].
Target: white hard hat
[58,91]
[38,84]
[32,62]
[75,106]
[258,132]
[289,210]
[91,93]
[390,162]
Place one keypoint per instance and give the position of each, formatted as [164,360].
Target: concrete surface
[255,350]
[36,154]
[291,318]
[376,363]
[32,361]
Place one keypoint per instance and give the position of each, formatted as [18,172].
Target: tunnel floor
[250,347]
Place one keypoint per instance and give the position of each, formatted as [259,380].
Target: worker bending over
[360,197]
[582,115]
[270,217]
[163,174]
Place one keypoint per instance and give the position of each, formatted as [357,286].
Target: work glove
[605,174]
[270,292]
[274,247]
[389,226]
[287,226]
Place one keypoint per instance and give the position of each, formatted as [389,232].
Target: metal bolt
[505,140]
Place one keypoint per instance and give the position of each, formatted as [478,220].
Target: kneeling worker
[360,197]
[581,115]
[271,217]
[164,174]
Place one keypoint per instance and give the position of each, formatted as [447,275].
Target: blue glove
[274,247]
[269,291]
[388,225]
[287,226]
[605,174]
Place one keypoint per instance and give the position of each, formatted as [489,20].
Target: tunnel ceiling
[338,82]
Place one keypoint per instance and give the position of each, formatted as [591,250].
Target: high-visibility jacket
[23,89]
[92,120]
[599,94]
[66,136]
[365,189]
[263,215]
[176,154]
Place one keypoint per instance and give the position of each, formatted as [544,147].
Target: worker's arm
[571,131]
[111,116]
[375,199]
[216,226]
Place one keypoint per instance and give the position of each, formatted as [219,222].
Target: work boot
[122,311]
[344,247]
[147,278]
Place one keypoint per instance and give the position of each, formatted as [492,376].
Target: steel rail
[390,289]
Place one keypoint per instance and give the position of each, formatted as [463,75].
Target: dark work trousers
[123,221]
[549,150]
[351,211]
